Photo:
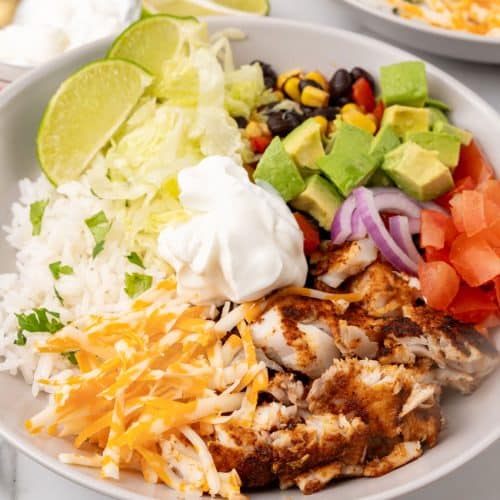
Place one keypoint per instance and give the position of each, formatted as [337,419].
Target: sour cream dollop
[42,29]
[241,242]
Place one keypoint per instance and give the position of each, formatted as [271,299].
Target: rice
[96,286]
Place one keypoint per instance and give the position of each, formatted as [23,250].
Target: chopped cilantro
[99,226]
[71,357]
[135,259]
[57,269]
[37,210]
[58,295]
[21,338]
[136,283]
[40,320]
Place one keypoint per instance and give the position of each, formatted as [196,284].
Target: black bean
[270,75]
[281,123]
[329,112]
[241,121]
[340,101]
[308,83]
[340,83]
[269,82]
[357,73]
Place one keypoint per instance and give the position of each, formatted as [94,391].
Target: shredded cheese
[150,384]
[481,17]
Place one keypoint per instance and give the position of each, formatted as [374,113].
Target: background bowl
[473,422]
[416,34]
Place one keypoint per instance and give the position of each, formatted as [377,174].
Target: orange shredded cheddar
[150,381]
[480,17]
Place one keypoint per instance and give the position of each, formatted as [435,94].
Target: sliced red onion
[430,205]
[341,225]
[357,226]
[414,225]
[394,200]
[365,202]
[399,228]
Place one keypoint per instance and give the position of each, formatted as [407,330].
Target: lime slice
[153,40]
[83,115]
[206,7]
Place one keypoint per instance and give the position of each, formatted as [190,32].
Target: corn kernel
[314,98]
[253,129]
[360,120]
[280,81]
[279,95]
[317,77]
[291,88]
[350,107]
[323,124]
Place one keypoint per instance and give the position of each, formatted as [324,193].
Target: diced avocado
[464,136]
[380,179]
[417,171]
[405,119]
[436,115]
[386,140]
[446,145]
[278,169]
[319,199]
[349,165]
[404,83]
[304,143]
[436,103]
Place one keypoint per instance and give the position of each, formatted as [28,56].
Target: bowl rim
[424,28]
[246,23]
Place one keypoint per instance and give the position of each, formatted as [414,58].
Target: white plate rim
[423,27]
[113,489]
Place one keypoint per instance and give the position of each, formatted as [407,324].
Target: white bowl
[473,421]
[416,34]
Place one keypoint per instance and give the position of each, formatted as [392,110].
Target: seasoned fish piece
[246,450]
[320,440]
[454,346]
[384,291]
[287,390]
[297,333]
[388,398]
[333,265]
[317,478]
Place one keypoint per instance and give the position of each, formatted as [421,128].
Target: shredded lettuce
[185,118]
[244,87]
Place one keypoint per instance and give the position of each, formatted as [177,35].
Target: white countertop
[22,479]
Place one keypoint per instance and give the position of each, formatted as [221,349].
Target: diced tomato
[310,232]
[379,111]
[259,144]
[362,95]
[497,289]
[457,212]
[439,283]
[461,185]
[474,259]
[491,190]
[473,164]
[472,305]
[436,229]
[433,254]
[492,235]
[473,215]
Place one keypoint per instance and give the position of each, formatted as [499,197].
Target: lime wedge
[153,40]
[83,115]
[206,7]
[260,7]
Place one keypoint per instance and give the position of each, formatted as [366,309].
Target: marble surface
[22,479]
